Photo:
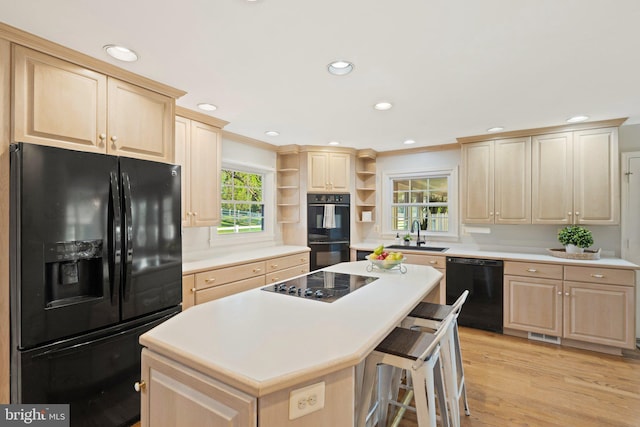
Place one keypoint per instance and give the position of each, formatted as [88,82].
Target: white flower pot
[573,249]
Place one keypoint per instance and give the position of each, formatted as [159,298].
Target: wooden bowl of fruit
[386,260]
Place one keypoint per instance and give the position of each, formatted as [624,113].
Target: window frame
[268,199]
[452,188]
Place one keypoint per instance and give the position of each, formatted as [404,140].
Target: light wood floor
[515,382]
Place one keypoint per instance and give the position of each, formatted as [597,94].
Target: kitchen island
[249,358]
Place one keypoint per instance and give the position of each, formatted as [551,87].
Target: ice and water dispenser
[73,273]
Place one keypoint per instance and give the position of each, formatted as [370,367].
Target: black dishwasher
[483,279]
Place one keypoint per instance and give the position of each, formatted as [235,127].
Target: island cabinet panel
[273,409]
[439,294]
[184,397]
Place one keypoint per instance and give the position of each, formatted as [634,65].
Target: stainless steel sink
[417,248]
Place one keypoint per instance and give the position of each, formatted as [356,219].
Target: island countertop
[260,342]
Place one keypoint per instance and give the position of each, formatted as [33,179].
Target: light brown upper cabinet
[496,181]
[328,172]
[198,151]
[61,104]
[575,177]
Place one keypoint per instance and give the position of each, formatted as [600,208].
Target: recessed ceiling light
[121,53]
[340,68]
[409,142]
[576,119]
[495,129]
[272,133]
[207,107]
[334,143]
[383,106]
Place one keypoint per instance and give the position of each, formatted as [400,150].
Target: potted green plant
[407,239]
[575,238]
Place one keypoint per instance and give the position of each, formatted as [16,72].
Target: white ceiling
[451,68]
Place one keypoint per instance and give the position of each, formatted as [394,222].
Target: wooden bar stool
[431,316]
[419,354]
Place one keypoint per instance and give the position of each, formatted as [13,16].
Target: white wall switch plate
[306,400]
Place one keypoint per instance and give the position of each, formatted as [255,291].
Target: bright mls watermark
[34,415]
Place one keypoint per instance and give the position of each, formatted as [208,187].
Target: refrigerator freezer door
[93,373]
[60,278]
[152,252]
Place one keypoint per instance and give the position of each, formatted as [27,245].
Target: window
[242,202]
[423,196]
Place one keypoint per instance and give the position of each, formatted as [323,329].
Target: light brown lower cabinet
[173,394]
[587,304]
[220,282]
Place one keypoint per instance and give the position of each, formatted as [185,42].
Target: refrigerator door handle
[115,236]
[128,235]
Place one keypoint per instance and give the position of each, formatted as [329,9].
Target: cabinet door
[339,172]
[175,395]
[512,181]
[205,165]
[596,198]
[58,103]
[552,179]
[318,164]
[181,157]
[533,305]
[188,291]
[477,182]
[598,313]
[141,122]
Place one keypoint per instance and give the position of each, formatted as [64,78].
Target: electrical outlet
[306,400]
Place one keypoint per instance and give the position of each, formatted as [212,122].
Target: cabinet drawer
[600,275]
[430,260]
[288,261]
[532,269]
[221,291]
[221,276]
[286,273]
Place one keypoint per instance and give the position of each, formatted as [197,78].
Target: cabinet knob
[255,270]
[210,280]
[193,290]
[559,292]
[566,294]
[194,213]
[274,265]
[577,213]
[491,213]
[102,137]
[433,262]
[139,386]
[569,213]
[532,270]
[598,276]
[275,279]
[497,213]
[114,139]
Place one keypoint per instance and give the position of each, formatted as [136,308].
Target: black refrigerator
[95,262]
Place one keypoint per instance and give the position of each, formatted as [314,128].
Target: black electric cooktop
[323,286]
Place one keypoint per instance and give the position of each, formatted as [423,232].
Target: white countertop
[461,251]
[206,260]
[260,342]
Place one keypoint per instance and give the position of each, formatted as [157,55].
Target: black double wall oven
[328,235]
